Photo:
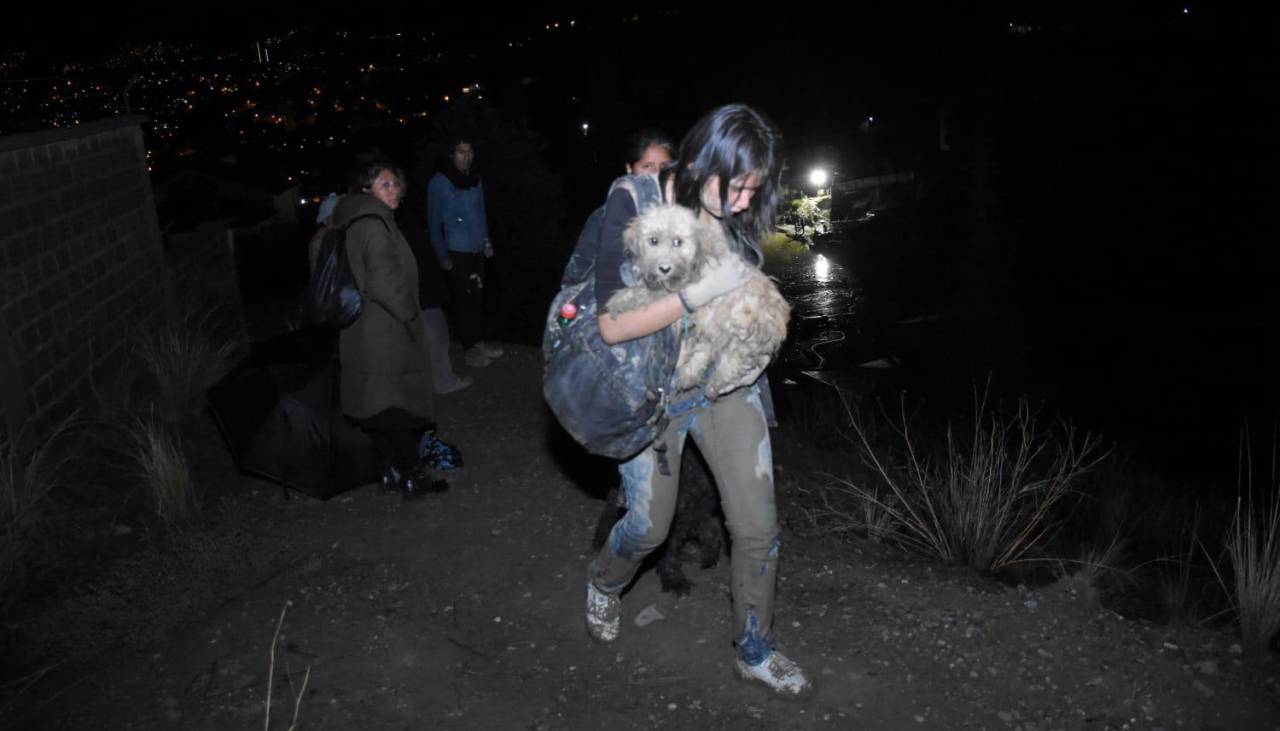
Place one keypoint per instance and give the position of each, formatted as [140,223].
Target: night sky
[1121,158]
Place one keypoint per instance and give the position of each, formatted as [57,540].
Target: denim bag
[610,398]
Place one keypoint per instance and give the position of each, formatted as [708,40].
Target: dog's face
[664,244]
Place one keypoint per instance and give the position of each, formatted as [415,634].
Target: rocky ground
[465,610]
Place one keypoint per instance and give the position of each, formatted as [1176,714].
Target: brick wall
[81,265]
[202,266]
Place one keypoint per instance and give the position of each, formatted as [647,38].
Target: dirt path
[465,610]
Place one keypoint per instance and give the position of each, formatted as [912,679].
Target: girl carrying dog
[726,171]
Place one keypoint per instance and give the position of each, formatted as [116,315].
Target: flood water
[1173,385]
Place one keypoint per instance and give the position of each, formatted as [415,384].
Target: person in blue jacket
[460,237]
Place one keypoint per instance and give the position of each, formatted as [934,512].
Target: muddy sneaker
[476,358]
[604,615]
[778,672]
[490,350]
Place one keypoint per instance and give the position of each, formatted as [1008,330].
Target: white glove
[719,277]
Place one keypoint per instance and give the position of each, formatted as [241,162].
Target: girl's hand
[721,276]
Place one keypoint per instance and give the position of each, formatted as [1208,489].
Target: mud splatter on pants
[733,436]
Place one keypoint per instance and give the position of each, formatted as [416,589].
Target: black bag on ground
[279,412]
[611,399]
[333,299]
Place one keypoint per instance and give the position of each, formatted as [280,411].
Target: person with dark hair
[648,151]
[384,361]
[433,293]
[727,172]
[460,236]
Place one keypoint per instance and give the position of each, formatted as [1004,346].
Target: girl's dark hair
[730,142]
[640,141]
[367,168]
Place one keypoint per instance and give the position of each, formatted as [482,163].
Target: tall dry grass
[989,497]
[1099,571]
[156,449]
[1253,548]
[183,357]
[28,479]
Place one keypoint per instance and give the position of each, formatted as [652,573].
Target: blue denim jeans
[732,434]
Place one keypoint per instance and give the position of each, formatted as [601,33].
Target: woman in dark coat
[385,361]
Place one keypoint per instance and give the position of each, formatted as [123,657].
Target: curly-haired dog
[735,335]
[697,518]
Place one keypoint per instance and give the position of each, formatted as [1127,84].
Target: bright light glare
[821,268]
[818,177]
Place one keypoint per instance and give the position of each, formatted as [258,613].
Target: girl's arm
[638,323]
[725,275]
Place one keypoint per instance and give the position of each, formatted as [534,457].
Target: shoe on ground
[458,384]
[476,358]
[416,484]
[389,480]
[490,349]
[411,485]
[778,673]
[604,615]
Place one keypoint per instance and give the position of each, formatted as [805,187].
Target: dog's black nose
[665,268]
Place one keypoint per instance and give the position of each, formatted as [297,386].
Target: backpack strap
[645,190]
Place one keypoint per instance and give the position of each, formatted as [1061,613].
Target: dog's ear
[712,245]
[631,236]
[712,240]
[700,253]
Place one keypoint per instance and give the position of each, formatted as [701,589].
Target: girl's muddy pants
[733,436]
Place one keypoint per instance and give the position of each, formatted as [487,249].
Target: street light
[818,178]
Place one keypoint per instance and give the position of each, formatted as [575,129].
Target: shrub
[1098,573]
[990,500]
[156,449]
[840,508]
[27,479]
[1253,547]
[184,357]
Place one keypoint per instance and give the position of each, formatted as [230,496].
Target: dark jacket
[456,217]
[383,354]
